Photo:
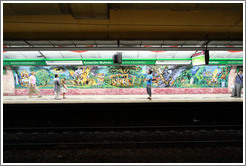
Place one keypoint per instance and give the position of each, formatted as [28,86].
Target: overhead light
[64,63]
[173,62]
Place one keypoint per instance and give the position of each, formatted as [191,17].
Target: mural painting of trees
[125,76]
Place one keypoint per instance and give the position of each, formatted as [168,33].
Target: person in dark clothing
[237,90]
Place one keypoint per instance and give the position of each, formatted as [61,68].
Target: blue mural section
[124,76]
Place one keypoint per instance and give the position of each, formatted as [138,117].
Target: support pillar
[8,82]
[231,78]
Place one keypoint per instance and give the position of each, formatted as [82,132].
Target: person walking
[57,86]
[149,79]
[64,87]
[32,85]
[237,90]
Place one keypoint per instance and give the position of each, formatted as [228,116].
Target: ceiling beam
[121,48]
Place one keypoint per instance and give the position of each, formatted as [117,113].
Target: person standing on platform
[237,90]
[32,85]
[149,79]
[57,86]
[64,87]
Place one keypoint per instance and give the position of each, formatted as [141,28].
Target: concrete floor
[122,99]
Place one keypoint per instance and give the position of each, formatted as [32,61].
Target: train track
[121,128]
[124,135]
[205,142]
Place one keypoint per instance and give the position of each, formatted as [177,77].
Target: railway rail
[124,135]
[120,128]
[206,142]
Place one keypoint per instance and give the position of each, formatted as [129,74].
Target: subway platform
[122,99]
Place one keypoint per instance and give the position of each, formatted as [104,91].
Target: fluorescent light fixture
[173,62]
[64,63]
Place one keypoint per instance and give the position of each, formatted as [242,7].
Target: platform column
[231,78]
[8,82]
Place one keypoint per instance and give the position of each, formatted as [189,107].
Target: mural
[124,76]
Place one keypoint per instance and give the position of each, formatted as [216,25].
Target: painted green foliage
[124,76]
[204,76]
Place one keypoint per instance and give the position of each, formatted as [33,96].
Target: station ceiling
[109,54]
[91,49]
[76,49]
[154,45]
[123,21]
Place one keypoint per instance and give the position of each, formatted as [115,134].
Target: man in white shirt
[57,86]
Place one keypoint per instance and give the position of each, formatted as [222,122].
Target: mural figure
[125,76]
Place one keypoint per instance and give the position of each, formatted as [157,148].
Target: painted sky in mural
[124,76]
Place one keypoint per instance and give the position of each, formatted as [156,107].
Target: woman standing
[64,87]
[32,85]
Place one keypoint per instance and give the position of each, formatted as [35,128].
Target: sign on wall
[196,60]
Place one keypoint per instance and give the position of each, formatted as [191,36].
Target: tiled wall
[231,79]
[127,91]
[9,89]
[100,77]
[8,82]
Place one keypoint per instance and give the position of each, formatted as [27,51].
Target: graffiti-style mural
[125,76]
